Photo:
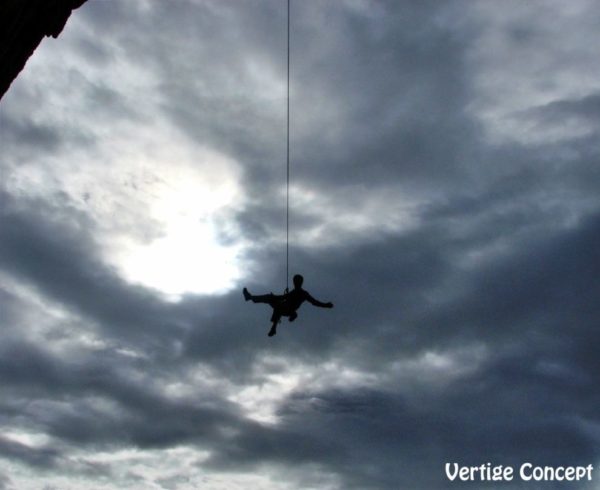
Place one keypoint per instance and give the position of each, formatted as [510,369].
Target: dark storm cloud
[535,304]
[346,75]
[39,135]
[397,86]
[537,312]
[31,373]
[48,459]
[397,443]
[587,107]
[190,77]
[44,458]
[545,293]
[50,246]
[385,99]
[551,278]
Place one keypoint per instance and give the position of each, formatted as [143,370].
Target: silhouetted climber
[286,304]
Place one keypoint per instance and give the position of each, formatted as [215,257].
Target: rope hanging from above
[287,203]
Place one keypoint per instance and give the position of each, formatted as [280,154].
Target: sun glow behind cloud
[190,206]
[159,207]
[188,257]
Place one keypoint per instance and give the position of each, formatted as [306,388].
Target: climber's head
[298,280]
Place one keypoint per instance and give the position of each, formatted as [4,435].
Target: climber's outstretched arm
[318,303]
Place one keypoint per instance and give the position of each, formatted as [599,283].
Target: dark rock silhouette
[23,24]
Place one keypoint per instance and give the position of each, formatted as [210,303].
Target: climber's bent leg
[275,319]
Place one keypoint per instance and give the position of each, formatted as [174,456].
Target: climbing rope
[287,203]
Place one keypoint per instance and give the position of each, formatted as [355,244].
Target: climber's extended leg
[270,299]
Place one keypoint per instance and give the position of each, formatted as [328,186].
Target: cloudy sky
[444,196]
